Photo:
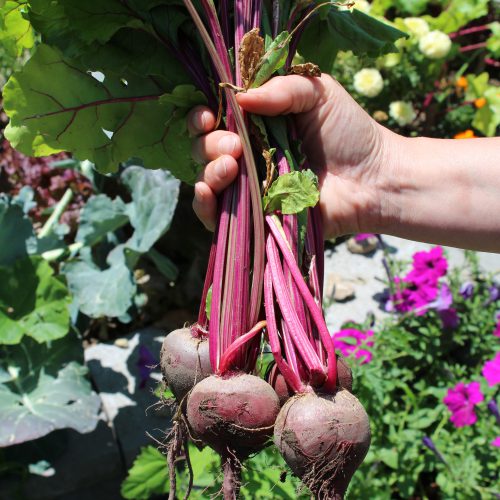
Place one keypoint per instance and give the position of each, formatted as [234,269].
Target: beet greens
[106,102]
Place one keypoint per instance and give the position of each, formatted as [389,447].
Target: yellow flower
[402,112]
[435,45]
[416,26]
[368,82]
[466,134]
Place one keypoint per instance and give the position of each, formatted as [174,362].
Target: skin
[441,191]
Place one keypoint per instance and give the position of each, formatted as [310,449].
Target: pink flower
[428,266]
[461,401]
[496,442]
[496,332]
[491,371]
[354,342]
[411,296]
[363,236]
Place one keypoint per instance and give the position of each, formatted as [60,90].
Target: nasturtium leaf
[487,118]
[16,33]
[493,42]
[105,119]
[102,292]
[148,476]
[291,193]
[17,237]
[457,14]
[45,390]
[345,30]
[32,302]
[99,216]
[477,85]
[154,198]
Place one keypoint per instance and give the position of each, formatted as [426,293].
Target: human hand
[346,148]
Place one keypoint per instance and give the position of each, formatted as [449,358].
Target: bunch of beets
[264,280]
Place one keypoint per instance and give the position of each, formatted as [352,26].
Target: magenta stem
[315,311]
[474,46]
[468,31]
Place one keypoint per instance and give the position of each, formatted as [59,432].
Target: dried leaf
[250,53]
[307,69]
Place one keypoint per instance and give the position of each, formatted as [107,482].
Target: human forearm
[443,191]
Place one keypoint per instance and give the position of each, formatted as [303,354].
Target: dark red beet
[184,361]
[235,416]
[344,374]
[324,439]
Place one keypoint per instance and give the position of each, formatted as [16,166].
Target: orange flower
[479,103]
[462,82]
[466,134]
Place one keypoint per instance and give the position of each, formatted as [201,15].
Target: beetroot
[235,416]
[184,361]
[324,439]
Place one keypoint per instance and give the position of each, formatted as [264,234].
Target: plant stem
[60,207]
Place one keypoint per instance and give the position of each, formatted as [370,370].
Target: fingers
[215,178]
[200,121]
[285,94]
[210,146]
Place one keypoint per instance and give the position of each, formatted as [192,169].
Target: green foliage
[458,13]
[109,289]
[415,361]
[291,193]
[274,59]
[147,477]
[16,33]
[32,302]
[335,30]
[43,388]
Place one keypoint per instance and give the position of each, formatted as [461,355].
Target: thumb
[284,94]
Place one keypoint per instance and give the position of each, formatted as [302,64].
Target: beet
[235,416]
[184,361]
[324,439]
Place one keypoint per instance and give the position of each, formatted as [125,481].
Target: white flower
[391,60]
[416,26]
[402,112]
[435,44]
[368,82]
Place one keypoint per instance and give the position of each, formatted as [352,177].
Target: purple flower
[493,407]
[449,318]
[491,371]
[363,236]
[494,291]
[496,442]
[428,266]
[467,290]
[354,343]
[427,441]
[145,364]
[461,401]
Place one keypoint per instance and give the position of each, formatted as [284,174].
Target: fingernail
[227,145]
[198,193]
[221,168]
[199,120]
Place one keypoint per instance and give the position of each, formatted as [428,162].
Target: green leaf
[105,118]
[493,42]
[389,457]
[17,237]
[164,264]
[154,198]
[208,302]
[273,60]
[345,30]
[99,216]
[45,390]
[102,292]
[16,33]
[32,302]
[458,14]
[487,118]
[291,193]
[147,477]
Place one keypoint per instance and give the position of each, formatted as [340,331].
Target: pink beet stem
[227,361]
[299,336]
[316,313]
[291,377]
